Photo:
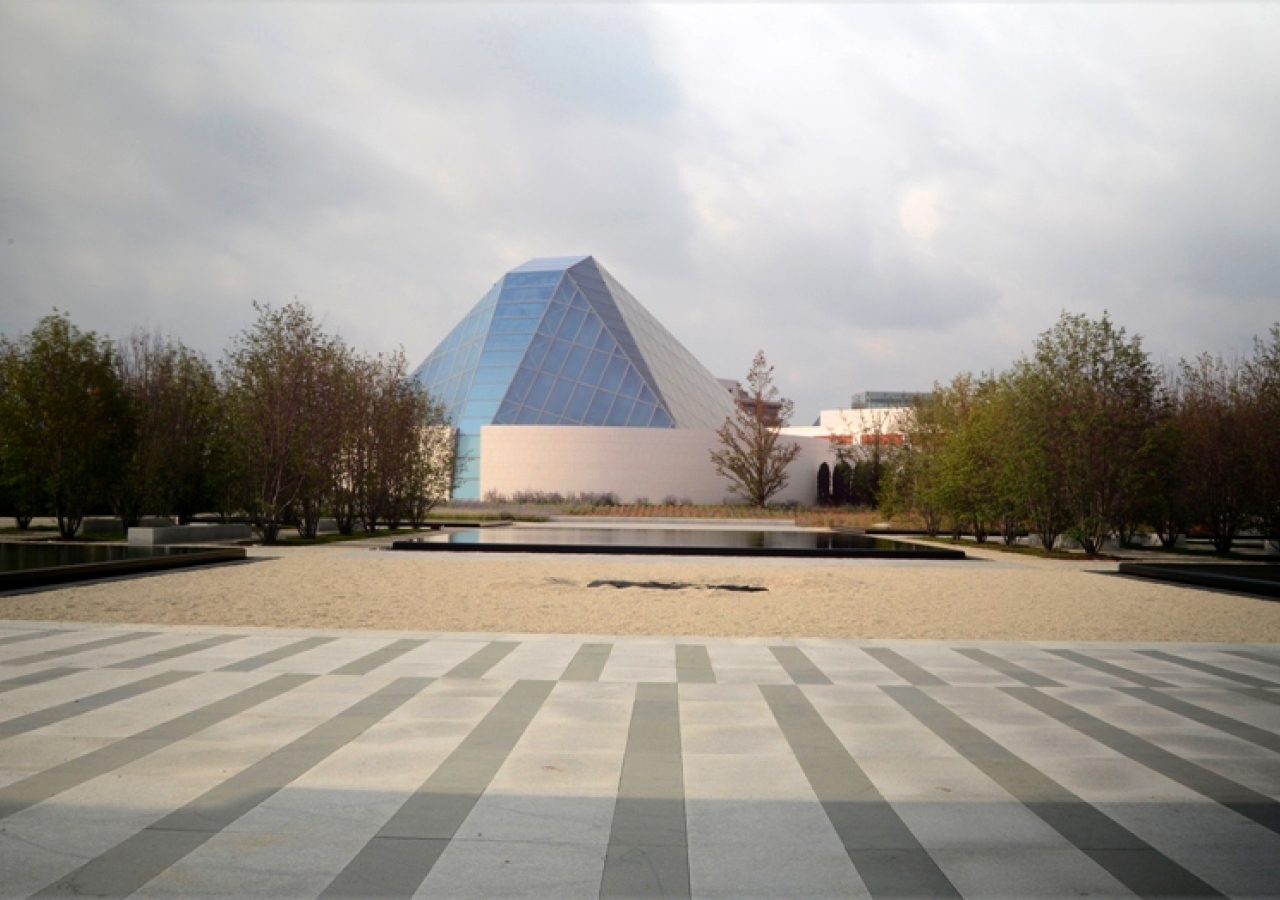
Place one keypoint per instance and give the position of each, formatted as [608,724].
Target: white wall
[653,463]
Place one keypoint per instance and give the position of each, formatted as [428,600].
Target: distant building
[865,426]
[886,399]
[770,410]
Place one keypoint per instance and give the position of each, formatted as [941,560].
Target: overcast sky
[877,196]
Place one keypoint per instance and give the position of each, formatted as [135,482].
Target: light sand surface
[992,596]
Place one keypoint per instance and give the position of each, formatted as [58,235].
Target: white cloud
[918,212]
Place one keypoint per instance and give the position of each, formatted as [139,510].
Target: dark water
[17,556]
[671,537]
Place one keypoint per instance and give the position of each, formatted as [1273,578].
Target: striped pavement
[178,762]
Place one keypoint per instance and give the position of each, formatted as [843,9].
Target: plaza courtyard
[344,722]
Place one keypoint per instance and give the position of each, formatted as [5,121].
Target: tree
[1089,404]
[1215,434]
[280,384]
[752,454]
[842,484]
[1261,383]
[914,481]
[172,392]
[65,425]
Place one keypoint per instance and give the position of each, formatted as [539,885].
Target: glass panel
[612,378]
[506,414]
[579,301]
[555,357]
[577,408]
[551,321]
[527,293]
[520,385]
[492,374]
[559,396]
[564,293]
[573,365]
[551,277]
[481,409]
[572,322]
[660,419]
[590,331]
[631,384]
[598,410]
[547,418]
[619,412]
[594,369]
[518,325]
[605,343]
[540,390]
[640,415]
[527,416]
[646,395]
[537,350]
[507,310]
[502,341]
[501,357]
[486,392]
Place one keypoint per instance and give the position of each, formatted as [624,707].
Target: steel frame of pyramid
[558,341]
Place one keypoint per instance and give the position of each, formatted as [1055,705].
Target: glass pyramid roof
[558,341]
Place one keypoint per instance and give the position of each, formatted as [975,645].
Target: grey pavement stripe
[129,865]
[1259,694]
[380,657]
[25,636]
[174,652]
[396,860]
[1256,657]
[77,648]
[1007,668]
[1234,727]
[1210,669]
[263,659]
[63,711]
[1129,859]
[796,664]
[587,663]
[1247,802]
[693,664]
[38,677]
[478,664]
[890,860]
[648,854]
[904,668]
[1121,672]
[41,786]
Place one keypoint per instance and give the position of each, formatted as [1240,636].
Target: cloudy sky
[877,195]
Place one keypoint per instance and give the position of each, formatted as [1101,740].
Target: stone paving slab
[182,762]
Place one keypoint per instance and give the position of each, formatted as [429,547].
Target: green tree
[66,428]
[753,456]
[1089,404]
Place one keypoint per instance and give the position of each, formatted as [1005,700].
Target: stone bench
[188,534]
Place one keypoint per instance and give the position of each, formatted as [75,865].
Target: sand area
[993,596]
